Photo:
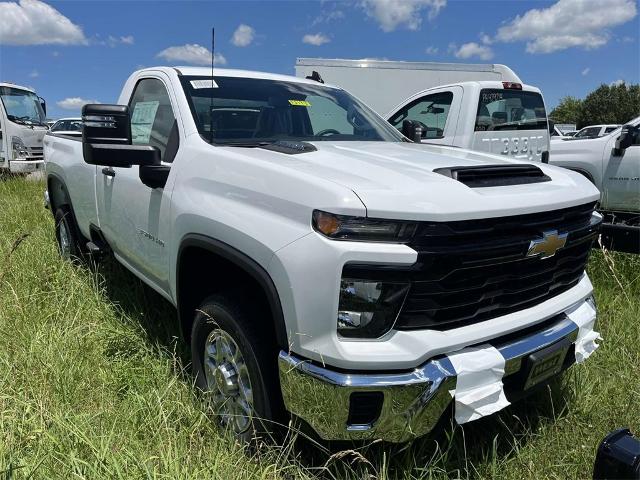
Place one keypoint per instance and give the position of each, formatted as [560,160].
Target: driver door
[621,178]
[438,112]
[133,217]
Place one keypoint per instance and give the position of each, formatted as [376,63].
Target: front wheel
[236,367]
[67,234]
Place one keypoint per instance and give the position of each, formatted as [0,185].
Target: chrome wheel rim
[228,382]
[65,242]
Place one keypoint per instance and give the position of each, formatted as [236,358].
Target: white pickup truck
[323,265]
[612,163]
[482,107]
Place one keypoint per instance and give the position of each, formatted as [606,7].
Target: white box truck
[22,128]
[483,107]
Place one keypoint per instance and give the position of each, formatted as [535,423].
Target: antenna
[213,44]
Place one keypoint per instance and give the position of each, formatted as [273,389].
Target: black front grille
[473,270]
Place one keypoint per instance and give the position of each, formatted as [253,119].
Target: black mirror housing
[412,130]
[106,138]
[109,155]
[628,137]
[551,124]
[106,124]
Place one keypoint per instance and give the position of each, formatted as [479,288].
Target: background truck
[483,107]
[612,163]
[22,128]
[323,265]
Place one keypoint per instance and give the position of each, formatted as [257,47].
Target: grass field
[94,383]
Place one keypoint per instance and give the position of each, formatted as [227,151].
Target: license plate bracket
[545,363]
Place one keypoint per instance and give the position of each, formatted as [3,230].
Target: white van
[22,128]
[483,107]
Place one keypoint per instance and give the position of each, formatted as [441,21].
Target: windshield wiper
[245,144]
[516,124]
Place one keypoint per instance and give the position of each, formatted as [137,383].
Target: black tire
[67,235]
[232,315]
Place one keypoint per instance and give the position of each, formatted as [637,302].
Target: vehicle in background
[612,163]
[564,128]
[68,126]
[50,123]
[557,133]
[571,133]
[595,131]
[320,262]
[482,107]
[22,128]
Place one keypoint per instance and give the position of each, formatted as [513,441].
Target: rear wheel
[236,367]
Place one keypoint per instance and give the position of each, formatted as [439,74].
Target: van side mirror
[43,104]
[552,125]
[412,130]
[106,138]
[628,136]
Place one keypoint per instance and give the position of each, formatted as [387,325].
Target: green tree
[567,111]
[610,104]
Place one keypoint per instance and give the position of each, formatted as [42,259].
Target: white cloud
[585,71]
[431,50]
[114,41]
[568,23]
[326,17]
[192,54]
[243,36]
[472,49]
[74,103]
[616,83]
[316,39]
[391,14]
[34,74]
[486,39]
[32,22]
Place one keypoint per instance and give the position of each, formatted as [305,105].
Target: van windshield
[22,106]
[510,110]
[253,111]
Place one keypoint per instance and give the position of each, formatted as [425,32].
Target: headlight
[343,227]
[369,308]
[18,147]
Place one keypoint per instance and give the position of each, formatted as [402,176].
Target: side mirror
[412,130]
[106,138]
[552,125]
[628,136]
[43,104]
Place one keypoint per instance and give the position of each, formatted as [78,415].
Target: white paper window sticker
[144,114]
[209,83]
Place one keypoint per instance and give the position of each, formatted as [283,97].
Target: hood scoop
[494,175]
[289,147]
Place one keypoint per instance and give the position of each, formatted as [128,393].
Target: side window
[609,129]
[431,110]
[152,119]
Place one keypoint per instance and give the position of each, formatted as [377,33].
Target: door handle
[109,172]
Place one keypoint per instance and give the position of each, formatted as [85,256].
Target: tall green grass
[94,383]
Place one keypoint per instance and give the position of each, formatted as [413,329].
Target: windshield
[254,111]
[510,110]
[22,106]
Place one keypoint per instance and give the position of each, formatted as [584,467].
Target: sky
[74,52]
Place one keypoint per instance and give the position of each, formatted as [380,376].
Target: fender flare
[244,263]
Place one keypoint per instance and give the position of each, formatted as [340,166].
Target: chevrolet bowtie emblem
[548,245]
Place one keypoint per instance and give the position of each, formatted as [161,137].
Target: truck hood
[396,180]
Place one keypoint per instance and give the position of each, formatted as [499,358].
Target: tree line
[607,104]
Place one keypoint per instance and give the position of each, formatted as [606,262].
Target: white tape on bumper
[584,316]
[479,389]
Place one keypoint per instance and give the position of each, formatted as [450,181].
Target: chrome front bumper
[26,166]
[412,402]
